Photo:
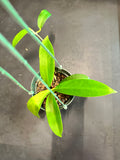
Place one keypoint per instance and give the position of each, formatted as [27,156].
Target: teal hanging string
[4,72]
[7,44]
[7,5]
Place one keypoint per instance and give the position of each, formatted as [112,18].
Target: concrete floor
[85,34]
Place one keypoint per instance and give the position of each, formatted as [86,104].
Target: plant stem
[7,44]
[36,33]
[4,72]
[10,9]
[38,30]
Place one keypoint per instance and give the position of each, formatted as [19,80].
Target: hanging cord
[4,72]
[10,9]
[14,52]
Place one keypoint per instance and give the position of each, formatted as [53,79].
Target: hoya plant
[73,85]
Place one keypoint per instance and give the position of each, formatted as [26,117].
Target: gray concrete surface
[85,34]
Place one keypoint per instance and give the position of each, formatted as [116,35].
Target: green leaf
[18,37]
[42,18]
[75,76]
[54,115]
[35,102]
[84,88]
[47,63]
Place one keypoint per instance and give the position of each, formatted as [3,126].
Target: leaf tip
[114,91]
[13,43]
[47,12]
[60,136]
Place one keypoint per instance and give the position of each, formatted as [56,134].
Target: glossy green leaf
[75,76]
[54,115]
[18,37]
[47,63]
[84,88]
[35,102]
[42,18]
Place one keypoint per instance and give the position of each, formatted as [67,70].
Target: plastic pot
[34,86]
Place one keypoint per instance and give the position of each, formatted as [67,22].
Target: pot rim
[57,69]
